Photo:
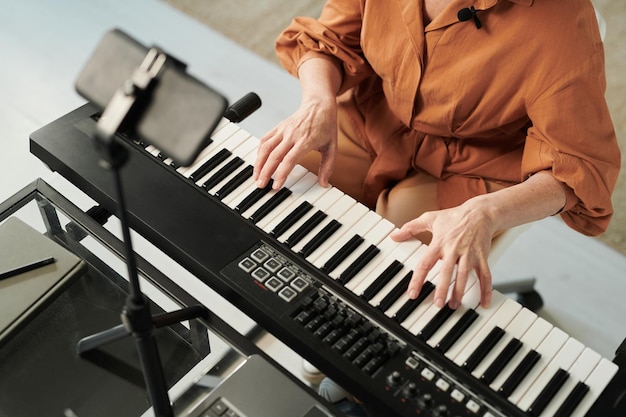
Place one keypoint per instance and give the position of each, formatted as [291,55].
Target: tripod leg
[118,332]
[96,340]
[177,316]
[198,333]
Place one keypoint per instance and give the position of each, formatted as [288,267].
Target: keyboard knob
[394,379]
[425,401]
[440,411]
[410,390]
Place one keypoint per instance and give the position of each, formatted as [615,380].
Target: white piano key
[233,141]
[223,130]
[200,181]
[363,225]
[400,253]
[373,237]
[348,222]
[250,185]
[298,191]
[346,204]
[547,349]
[385,247]
[248,154]
[239,152]
[220,125]
[515,329]
[530,340]
[433,277]
[421,316]
[243,148]
[217,140]
[470,300]
[563,359]
[597,382]
[408,267]
[323,203]
[506,312]
[294,176]
[244,189]
[153,151]
[580,371]
[312,196]
[484,315]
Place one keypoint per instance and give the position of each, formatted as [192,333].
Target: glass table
[41,372]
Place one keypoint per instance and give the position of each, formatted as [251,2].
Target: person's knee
[408,199]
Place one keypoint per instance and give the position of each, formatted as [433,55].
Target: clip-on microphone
[470,13]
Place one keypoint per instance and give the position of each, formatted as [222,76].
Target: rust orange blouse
[522,94]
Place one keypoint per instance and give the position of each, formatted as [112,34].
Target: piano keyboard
[325,269]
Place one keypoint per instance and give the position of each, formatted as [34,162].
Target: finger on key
[420,272]
[486,284]
[446,273]
[460,282]
[266,144]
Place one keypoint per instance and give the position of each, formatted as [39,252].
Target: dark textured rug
[255,24]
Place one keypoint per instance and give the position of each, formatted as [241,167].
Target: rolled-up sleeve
[335,35]
[573,136]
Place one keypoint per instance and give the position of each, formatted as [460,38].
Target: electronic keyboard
[318,270]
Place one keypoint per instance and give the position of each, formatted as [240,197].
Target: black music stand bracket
[133,97]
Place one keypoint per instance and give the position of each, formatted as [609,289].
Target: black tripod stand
[136,315]
[128,105]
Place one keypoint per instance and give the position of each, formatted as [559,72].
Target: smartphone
[178,116]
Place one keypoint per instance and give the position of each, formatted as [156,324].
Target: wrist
[484,207]
[319,81]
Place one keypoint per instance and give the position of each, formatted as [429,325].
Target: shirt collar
[485,4]
[523,2]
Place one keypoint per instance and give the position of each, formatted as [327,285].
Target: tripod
[136,316]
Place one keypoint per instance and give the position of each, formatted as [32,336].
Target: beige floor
[258,23]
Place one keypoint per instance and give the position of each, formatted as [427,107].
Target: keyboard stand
[525,292]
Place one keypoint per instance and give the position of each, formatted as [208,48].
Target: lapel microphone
[470,13]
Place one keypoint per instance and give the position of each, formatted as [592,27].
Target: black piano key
[230,167]
[382,280]
[395,292]
[291,219]
[436,322]
[520,372]
[358,264]
[320,238]
[549,391]
[483,349]
[457,330]
[253,197]
[303,230]
[342,253]
[270,205]
[573,399]
[501,361]
[210,164]
[235,182]
[412,304]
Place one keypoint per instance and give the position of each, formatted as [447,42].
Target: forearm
[320,80]
[461,235]
[540,196]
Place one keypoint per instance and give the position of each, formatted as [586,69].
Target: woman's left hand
[461,240]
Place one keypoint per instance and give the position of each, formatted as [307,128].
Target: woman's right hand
[313,127]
